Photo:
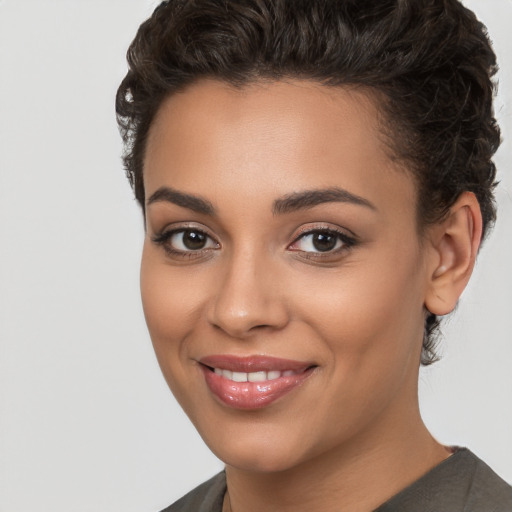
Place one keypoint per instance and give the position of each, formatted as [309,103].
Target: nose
[249,297]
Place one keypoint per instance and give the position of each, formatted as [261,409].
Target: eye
[322,241]
[185,241]
[191,240]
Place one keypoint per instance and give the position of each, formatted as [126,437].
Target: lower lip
[252,395]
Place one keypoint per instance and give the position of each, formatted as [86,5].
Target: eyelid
[176,227]
[163,236]
[346,236]
[314,227]
[348,239]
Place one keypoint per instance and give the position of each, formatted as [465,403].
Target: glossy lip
[253,395]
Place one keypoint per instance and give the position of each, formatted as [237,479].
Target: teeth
[257,376]
[227,374]
[239,377]
[252,376]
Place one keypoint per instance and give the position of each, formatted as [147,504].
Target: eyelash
[347,241]
[162,239]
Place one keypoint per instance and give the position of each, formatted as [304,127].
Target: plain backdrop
[86,420]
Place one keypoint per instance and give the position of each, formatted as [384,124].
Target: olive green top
[461,483]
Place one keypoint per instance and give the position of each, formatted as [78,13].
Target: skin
[259,288]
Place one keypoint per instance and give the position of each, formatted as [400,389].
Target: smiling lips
[252,382]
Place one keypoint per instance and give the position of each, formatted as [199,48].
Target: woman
[316,181]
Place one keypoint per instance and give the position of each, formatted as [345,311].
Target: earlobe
[455,242]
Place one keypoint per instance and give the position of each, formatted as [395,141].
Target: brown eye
[323,242]
[193,240]
[186,241]
[320,242]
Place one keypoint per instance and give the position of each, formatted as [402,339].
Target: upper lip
[253,363]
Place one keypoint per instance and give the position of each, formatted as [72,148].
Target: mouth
[252,382]
[261,376]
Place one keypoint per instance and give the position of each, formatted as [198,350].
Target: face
[283,280]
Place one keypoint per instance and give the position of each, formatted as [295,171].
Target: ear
[454,243]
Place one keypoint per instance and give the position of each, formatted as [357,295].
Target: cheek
[170,301]
[171,307]
[368,314]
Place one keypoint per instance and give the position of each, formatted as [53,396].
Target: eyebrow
[194,203]
[290,203]
[310,198]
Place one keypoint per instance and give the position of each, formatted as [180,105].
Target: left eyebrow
[310,198]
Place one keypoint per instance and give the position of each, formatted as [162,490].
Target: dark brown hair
[429,60]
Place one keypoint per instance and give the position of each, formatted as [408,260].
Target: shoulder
[486,490]
[207,497]
[462,483]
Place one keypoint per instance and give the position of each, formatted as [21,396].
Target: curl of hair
[429,61]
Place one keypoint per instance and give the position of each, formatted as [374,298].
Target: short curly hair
[430,60]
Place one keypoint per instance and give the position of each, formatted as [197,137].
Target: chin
[259,461]
[262,454]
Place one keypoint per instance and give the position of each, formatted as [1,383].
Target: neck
[390,457]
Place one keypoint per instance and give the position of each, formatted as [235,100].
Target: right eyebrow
[189,201]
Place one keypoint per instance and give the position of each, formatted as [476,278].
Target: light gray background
[86,421]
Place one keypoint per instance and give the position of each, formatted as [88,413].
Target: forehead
[275,114]
[272,138]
